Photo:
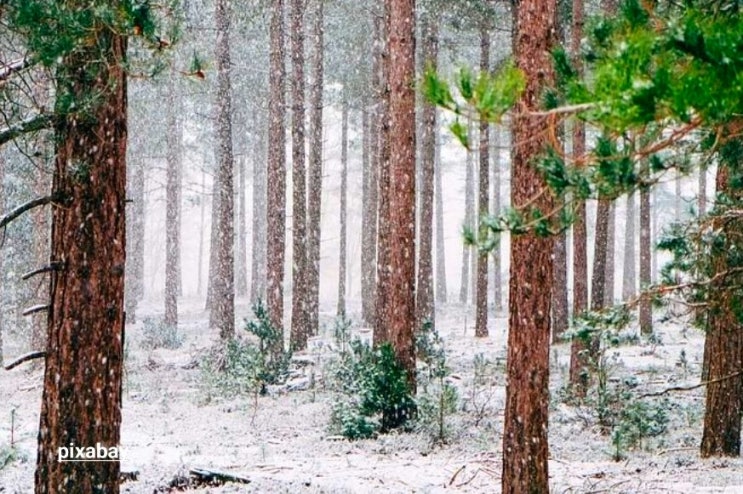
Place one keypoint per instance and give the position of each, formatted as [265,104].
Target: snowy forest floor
[171,423]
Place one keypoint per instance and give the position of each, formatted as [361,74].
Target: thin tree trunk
[369,217]
[578,349]
[721,433]
[525,445]
[299,329]
[396,291]
[341,309]
[646,314]
[258,244]
[241,261]
[653,236]
[314,171]
[441,288]
[497,254]
[134,238]
[172,209]
[560,313]
[610,255]
[81,401]
[222,309]
[202,227]
[469,213]
[601,241]
[425,304]
[483,200]
[629,275]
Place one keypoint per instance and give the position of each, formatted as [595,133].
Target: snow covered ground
[170,424]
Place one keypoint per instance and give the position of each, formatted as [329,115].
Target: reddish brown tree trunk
[298,335]
[276,173]
[425,304]
[646,311]
[314,171]
[396,290]
[81,402]
[483,201]
[723,346]
[525,447]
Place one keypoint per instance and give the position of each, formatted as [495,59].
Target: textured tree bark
[724,340]
[629,277]
[646,314]
[222,309]
[578,348]
[341,309]
[314,171]
[425,304]
[40,219]
[81,401]
[469,218]
[397,290]
[299,329]
[525,446]
[441,286]
[483,201]
[276,173]
[172,208]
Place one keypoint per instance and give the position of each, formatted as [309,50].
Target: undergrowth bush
[637,421]
[10,454]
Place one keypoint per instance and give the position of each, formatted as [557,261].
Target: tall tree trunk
[629,278]
[578,348]
[241,261]
[610,255]
[497,255]
[601,241]
[135,220]
[314,193]
[381,331]
[469,218]
[396,291]
[40,219]
[258,244]
[299,329]
[222,309]
[172,208]
[341,309]
[724,341]
[653,235]
[276,171]
[525,447]
[202,227]
[483,201]
[560,314]
[646,314]
[441,288]
[425,304]
[81,401]
[369,216]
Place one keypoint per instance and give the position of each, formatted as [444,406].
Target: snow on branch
[33,124]
[10,68]
[15,213]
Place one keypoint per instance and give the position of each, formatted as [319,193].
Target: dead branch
[456,474]
[54,266]
[25,358]
[693,387]
[11,68]
[33,124]
[215,477]
[15,213]
[35,309]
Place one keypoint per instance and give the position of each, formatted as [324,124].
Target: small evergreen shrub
[10,454]
[157,334]
[639,420]
[245,367]
[373,390]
